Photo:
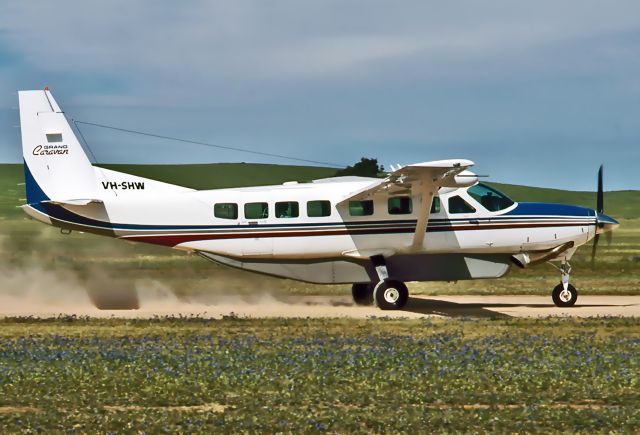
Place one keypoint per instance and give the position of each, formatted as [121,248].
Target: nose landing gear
[564,294]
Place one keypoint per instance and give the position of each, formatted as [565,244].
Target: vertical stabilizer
[56,167]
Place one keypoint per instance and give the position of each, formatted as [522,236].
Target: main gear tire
[391,294]
[362,293]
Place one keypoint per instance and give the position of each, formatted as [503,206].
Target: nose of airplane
[605,223]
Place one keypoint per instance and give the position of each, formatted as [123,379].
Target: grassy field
[194,375]
[235,375]
[26,243]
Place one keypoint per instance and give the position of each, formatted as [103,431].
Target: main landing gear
[564,294]
[388,294]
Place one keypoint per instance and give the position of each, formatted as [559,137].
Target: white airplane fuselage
[185,220]
[423,222]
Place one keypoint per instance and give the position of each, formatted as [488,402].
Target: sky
[536,93]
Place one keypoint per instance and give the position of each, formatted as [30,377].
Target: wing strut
[423,218]
[426,178]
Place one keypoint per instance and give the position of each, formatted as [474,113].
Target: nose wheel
[564,294]
[564,297]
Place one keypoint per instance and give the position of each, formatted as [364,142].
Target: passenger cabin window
[490,198]
[361,208]
[226,210]
[287,209]
[256,210]
[400,205]
[435,205]
[459,205]
[318,208]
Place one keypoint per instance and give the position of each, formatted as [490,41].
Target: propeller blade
[600,197]
[593,251]
[609,237]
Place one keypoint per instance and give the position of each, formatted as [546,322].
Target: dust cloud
[39,290]
[42,275]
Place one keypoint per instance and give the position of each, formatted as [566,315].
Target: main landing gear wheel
[564,298]
[391,294]
[362,293]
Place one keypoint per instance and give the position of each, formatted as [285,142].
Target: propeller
[604,224]
[599,209]
[600,197]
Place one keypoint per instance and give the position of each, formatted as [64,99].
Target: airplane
[430,221]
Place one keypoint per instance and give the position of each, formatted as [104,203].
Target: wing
[419,178]
[440,173]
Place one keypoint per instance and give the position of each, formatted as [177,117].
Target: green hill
[620,204]
[221,175]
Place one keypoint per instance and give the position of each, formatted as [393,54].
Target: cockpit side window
[459,205]
[490,198]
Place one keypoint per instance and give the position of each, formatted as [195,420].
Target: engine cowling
[465,178]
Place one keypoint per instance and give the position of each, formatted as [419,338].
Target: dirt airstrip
[266,306]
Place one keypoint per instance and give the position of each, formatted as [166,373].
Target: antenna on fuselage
[205,144]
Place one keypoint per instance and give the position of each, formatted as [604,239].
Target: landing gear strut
[388,294]
[564,294]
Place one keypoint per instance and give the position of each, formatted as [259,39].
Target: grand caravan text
[50,150]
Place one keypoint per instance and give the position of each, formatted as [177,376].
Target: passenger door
[256,233]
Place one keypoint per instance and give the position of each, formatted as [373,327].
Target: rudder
[55,164]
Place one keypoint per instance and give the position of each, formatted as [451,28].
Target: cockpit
[489,197]
[478,195]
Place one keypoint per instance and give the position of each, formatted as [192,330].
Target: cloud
[416,78]
[248,40]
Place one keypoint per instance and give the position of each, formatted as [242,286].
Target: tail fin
[55,165]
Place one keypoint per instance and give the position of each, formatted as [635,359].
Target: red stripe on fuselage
[176,239]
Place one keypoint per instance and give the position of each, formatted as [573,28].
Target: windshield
[490,198]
